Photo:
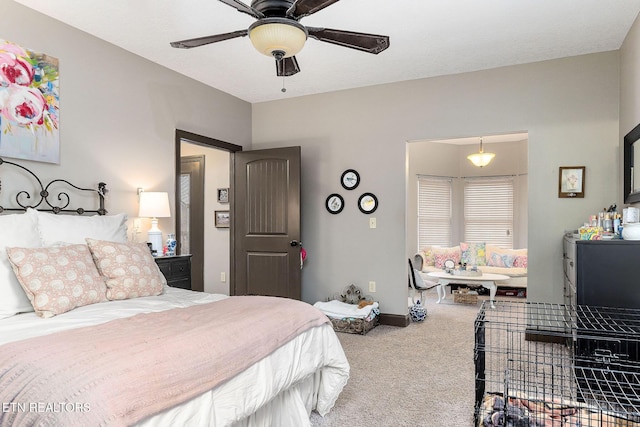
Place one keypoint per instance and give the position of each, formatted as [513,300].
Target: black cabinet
[604,276]
[176,269]
[607,273]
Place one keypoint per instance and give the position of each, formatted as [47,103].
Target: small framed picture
[222,219]
[571,182]
[223,195]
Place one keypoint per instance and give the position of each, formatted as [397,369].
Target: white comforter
[307,373]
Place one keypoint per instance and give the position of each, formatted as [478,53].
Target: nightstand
[176,269]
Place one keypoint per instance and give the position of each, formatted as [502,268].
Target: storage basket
[353,295]
[465,296]
[353,326]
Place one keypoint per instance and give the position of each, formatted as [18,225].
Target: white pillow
[15,230]
[55,229]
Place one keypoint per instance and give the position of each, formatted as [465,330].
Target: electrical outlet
[372,286]
[372,223]
[136,225]
[223,277]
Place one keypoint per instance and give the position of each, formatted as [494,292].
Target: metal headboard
[44,204]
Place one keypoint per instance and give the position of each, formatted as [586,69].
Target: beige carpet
[421,375]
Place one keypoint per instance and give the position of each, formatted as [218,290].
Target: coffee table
[486,280]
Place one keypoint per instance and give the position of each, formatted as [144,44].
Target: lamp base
[155,238]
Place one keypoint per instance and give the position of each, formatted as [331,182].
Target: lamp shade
[277,37]
[481,159]
[154,205]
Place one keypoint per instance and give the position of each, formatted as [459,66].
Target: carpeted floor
[421,375]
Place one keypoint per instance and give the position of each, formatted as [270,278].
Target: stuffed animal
[364,303]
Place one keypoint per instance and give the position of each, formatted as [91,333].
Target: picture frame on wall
[571,182]
[223,195]
[222,219]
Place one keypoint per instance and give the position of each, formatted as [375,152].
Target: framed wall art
[334,203]
[571,182]
[223,195]
[222,219]
[29,104]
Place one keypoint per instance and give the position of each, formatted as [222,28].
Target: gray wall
[569,107]
[629,87]
[119,112]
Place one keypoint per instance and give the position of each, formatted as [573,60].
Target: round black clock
[368,203]
[350,179]
[334,203]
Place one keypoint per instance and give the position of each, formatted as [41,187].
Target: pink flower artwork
[29,104]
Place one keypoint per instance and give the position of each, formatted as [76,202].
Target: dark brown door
[191,197]
[265,222]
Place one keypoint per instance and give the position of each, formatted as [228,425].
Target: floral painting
[29,104]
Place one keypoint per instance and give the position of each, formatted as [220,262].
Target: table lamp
[154,205]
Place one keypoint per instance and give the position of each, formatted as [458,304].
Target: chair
[418,284]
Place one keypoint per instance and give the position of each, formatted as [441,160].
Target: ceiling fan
[278,33]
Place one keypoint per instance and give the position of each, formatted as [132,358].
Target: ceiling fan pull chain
[284,89]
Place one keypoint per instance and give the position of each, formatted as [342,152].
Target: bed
[125,349]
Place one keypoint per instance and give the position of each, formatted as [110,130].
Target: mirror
[631,173]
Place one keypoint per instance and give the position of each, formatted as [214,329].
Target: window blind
[488,211]
[434,211]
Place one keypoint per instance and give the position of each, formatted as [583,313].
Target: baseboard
[394,320]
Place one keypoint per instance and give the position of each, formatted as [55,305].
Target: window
[434,211]
[488,211]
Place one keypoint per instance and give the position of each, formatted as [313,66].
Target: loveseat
[487,258]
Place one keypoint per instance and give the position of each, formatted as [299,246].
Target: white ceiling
[428,38]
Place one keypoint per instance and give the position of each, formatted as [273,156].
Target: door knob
[294,243]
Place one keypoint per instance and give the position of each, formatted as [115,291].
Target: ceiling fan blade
[306,7]
[286,67]
[201,41]
[371,43]
[241,7]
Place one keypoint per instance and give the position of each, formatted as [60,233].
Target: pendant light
[481,159]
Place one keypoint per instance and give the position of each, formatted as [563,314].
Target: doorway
[196,202]
[191,195]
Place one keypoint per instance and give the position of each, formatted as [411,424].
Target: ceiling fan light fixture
[481,159]
[278,37]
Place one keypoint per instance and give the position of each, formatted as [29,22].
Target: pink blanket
[123,371]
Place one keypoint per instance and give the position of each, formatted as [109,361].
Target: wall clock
[368,203]
[350,179]
[334,203]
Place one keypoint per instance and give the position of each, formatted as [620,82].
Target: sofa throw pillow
[520,261]
[128,268]
[427,255]
[500,257]
[58,278]
[18,230]
[500,260]
[440,255]
[473,253]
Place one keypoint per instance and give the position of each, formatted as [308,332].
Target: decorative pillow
[473,253]
[129,269]
[498,260]
[440,255]
[16,230]
[499,257]
[520,261]
[58,278]
[427,255]
[55,229]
